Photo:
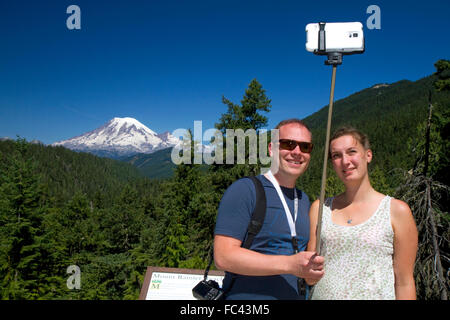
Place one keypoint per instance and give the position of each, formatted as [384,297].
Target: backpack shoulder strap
[258,215]
[256,222]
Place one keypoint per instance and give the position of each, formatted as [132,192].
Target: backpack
[209,290]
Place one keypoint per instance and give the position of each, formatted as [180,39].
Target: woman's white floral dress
[358,258]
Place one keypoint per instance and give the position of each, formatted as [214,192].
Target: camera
[341,37]
[208,290]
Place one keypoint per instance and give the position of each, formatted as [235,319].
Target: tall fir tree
[22,252]
[248,115]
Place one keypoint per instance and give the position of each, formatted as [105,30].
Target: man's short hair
[292,120]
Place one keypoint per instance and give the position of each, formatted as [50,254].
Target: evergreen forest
[60,208]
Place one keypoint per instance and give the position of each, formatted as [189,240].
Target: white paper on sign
[175,286]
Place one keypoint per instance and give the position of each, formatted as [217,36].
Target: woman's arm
[405,250]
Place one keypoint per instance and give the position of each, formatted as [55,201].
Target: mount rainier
[120,137]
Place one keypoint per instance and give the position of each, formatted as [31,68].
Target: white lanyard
[283,201]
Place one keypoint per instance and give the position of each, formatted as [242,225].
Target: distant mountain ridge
[157,165]
[120,137]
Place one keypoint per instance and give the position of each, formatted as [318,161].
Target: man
[271,267]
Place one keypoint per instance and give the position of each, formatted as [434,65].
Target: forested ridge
[60,208]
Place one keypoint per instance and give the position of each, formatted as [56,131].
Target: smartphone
[343,37]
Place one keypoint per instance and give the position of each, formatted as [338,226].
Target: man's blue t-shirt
[235,210]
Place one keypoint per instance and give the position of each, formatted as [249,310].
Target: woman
[369,240]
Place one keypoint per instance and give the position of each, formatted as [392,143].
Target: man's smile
[295,162]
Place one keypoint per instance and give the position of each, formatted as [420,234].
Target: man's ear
[270,149]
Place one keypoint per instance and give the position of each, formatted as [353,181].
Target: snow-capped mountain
[120,137]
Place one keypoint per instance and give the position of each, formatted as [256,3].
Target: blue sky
[168,63]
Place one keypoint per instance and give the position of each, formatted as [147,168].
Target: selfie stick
[334,59]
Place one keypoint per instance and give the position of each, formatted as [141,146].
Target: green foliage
[439,148]
[157,165]
[334,185]
[24,253]
[443,73]
[379,181]
[247,115]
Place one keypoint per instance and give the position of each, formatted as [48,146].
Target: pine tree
[443,72]
[246,116]
[21,214]
[123,222]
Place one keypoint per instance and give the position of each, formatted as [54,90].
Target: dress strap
[385,210]
[326,214]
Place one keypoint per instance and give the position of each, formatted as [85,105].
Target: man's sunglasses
[290,145]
